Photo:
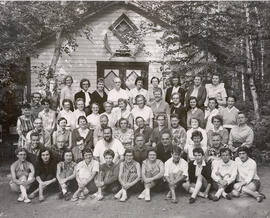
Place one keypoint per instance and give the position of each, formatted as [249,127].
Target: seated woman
[152,173]
[211,111]
[62,131]
[194,112]
[45,172]
[65,174]
[176,172]
[107,178]
[229,114]
[195,126]
[67,113]
[247,180]
[124,134]
[83,131]
[22,175]
[217,128]
[199,174]
[93,118]
[196,138]
[78,112]
[129,174]
[85,172]
[124,112]
[224,174]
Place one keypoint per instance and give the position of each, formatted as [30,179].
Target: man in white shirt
[176,172]
[117,92]
[224,174]
[109,143]
[247,179]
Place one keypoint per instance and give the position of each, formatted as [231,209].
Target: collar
[230,109]
[194,110]
[203,163]
[85,91]
[219,129]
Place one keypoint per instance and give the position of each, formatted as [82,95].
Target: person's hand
[81,185]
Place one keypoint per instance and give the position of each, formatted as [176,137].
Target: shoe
[142,195]
[118,194]
[41,198]
[192,200]
[60,195]
[215,198]
[82,197]
[67,196]
[264,197]
[174,201]
[74,199]
[100,197]
[228,197]
[32,195]
[27,200]
[168,196]
[20,198]
[259,198]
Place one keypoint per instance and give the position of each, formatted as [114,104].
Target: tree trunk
[250,73]
[56,54]
[243,73]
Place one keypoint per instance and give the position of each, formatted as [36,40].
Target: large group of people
[128,142]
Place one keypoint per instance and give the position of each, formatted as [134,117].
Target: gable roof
[132,5]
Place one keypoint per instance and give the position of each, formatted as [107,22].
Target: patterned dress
[152,169]
[23,127]
[129,172]
[66,169]
[125,137]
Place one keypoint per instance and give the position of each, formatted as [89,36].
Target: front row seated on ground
[221,178]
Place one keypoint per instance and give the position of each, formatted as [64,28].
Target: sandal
[74,199]
[259,198]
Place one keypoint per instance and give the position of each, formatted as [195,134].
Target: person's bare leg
[250,189]
[41,196]
[197,187]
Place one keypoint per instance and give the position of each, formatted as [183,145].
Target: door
[126,71]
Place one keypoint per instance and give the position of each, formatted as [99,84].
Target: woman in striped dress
[129,174]
[24,124]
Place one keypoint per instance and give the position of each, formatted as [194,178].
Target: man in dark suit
[197,90]
[85,95]
[175,88]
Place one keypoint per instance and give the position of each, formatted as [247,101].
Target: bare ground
[244,207]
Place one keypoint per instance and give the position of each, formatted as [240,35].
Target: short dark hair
[232,96]
[154,77]
[84,80]
[42,150]
[198,150]
[243,149]
[217,117]
[196,133]
[223,150]
[128,150]
[174,116]
[122,100]
[140,96]
[36,93]
[82,118]
[103,115]
[46,100]
[242,112]
[176,149]
[215,74]
[139,78]
[138,135]
[151,149]
[108,127]
[161,115]
[138,118]
[34,134]
[193,98]
[216,134]
[87,150]
[195,118]
[67,100]
[60,119]
[67,151]
[213,99]
[100,80]
[26,106]
[109,152]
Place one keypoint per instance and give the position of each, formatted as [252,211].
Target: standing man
[117,92]
[36,106]
[175,88]
[164,148]
[85,95]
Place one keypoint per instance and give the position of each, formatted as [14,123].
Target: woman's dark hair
[121,119]
[129,151]
[195,118]
[109,152]
[94,103]
[122,100]
[18,150]
[46,100]
[217,117]
[232,96]
[192,98]
[198,150]
[140,96]
[67,100]
[42,150]
[243,149]
[67,151]
[26,106]
[139,78]
[82,118]
[84,80]
[154,77]
[223,150]
[87,150]
[100,80]
[196,133]
[60,119]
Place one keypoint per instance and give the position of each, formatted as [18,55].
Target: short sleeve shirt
[85,171]
[146,113]
[172,168]
[115,145]
[115,95]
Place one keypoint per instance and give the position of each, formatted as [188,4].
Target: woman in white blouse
[93,118]
[67,92]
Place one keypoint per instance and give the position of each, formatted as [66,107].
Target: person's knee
[235,193]
[14,187]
